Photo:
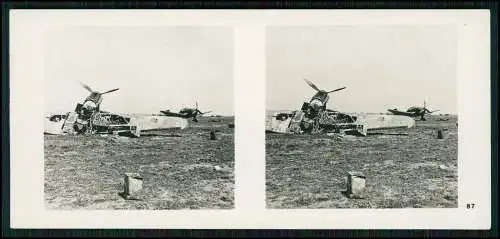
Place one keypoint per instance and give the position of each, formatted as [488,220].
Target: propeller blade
[109,91]
[206,112]
[336,89]
[312,85]
[87,87]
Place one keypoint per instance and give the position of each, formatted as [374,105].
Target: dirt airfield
[409,168]
[416,170]
[182,169]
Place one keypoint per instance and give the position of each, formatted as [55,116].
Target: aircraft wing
[276,125]
[51,127]
[63,126]
[397,112]
[381,121]
[173,114]
[152,122]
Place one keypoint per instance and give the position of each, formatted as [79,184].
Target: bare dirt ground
[86,172]
[402,171]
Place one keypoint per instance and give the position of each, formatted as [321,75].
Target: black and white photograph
[249,119]
[361,116]
[138,118]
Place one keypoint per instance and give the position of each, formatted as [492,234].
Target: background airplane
[186,113]
[413,111]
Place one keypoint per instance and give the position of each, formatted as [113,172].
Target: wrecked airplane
[315,118]
[73,123]
[296,122]
[186,112]
[87,118]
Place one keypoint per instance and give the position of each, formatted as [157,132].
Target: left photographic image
[139,118]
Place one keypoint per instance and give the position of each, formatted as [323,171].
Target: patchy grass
[86,172]
[414,171]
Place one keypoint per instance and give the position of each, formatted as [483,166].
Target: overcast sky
[382,66]
[156,68]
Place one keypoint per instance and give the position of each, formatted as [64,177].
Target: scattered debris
[132,186]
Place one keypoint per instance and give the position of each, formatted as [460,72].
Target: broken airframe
[315,118]
[88,118]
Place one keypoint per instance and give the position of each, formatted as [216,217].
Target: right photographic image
[361,116]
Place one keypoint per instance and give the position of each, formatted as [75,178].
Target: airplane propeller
[312,85]
[317,89]
[336,89]
[97,92]
[109,91]
[198,112]
[426,110]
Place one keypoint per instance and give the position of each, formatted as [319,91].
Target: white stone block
[132,184]
[355,184]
